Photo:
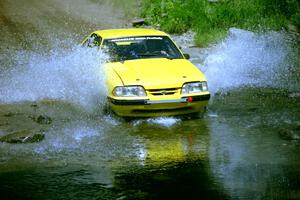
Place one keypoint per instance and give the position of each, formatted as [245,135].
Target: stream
[246,146]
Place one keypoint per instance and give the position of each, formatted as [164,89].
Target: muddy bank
[36,25]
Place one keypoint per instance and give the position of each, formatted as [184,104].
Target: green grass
[211,21]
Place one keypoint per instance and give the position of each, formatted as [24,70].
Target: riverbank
[43,25]
[211,19]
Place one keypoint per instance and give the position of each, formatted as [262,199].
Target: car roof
[117,33]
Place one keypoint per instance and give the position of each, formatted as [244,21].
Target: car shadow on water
[172,161]
[179,180]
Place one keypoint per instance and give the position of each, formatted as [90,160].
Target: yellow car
[147,75]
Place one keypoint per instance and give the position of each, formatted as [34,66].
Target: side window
[93,41]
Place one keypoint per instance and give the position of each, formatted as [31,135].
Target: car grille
[158,92]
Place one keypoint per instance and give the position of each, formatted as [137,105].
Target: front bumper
[165,107]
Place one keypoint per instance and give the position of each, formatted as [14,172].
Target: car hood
[156,73]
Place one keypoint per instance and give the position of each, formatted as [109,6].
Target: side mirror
[186,56]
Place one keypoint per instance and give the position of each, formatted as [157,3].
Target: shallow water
[245,147]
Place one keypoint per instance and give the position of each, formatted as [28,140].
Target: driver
[155,46]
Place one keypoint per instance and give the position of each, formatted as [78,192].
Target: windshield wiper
[158,55]
[148,54]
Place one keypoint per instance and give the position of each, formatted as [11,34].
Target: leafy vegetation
[211,19]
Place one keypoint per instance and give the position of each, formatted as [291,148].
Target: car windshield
[130,48]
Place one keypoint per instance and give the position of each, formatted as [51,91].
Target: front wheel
[106,109]
[195,115]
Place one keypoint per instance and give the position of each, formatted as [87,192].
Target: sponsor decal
[136,38]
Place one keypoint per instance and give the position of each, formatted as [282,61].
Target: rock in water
[41,119]
[292,133]
[9,114]
[23,136]
[294,95]
[138,22]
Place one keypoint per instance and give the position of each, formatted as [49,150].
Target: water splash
[246,58]
[162,121]
[74,75]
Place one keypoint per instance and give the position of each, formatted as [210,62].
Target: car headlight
[129,91]
[194,87]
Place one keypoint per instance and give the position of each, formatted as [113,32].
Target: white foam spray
[246,58]
[75,75]
[162,121]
